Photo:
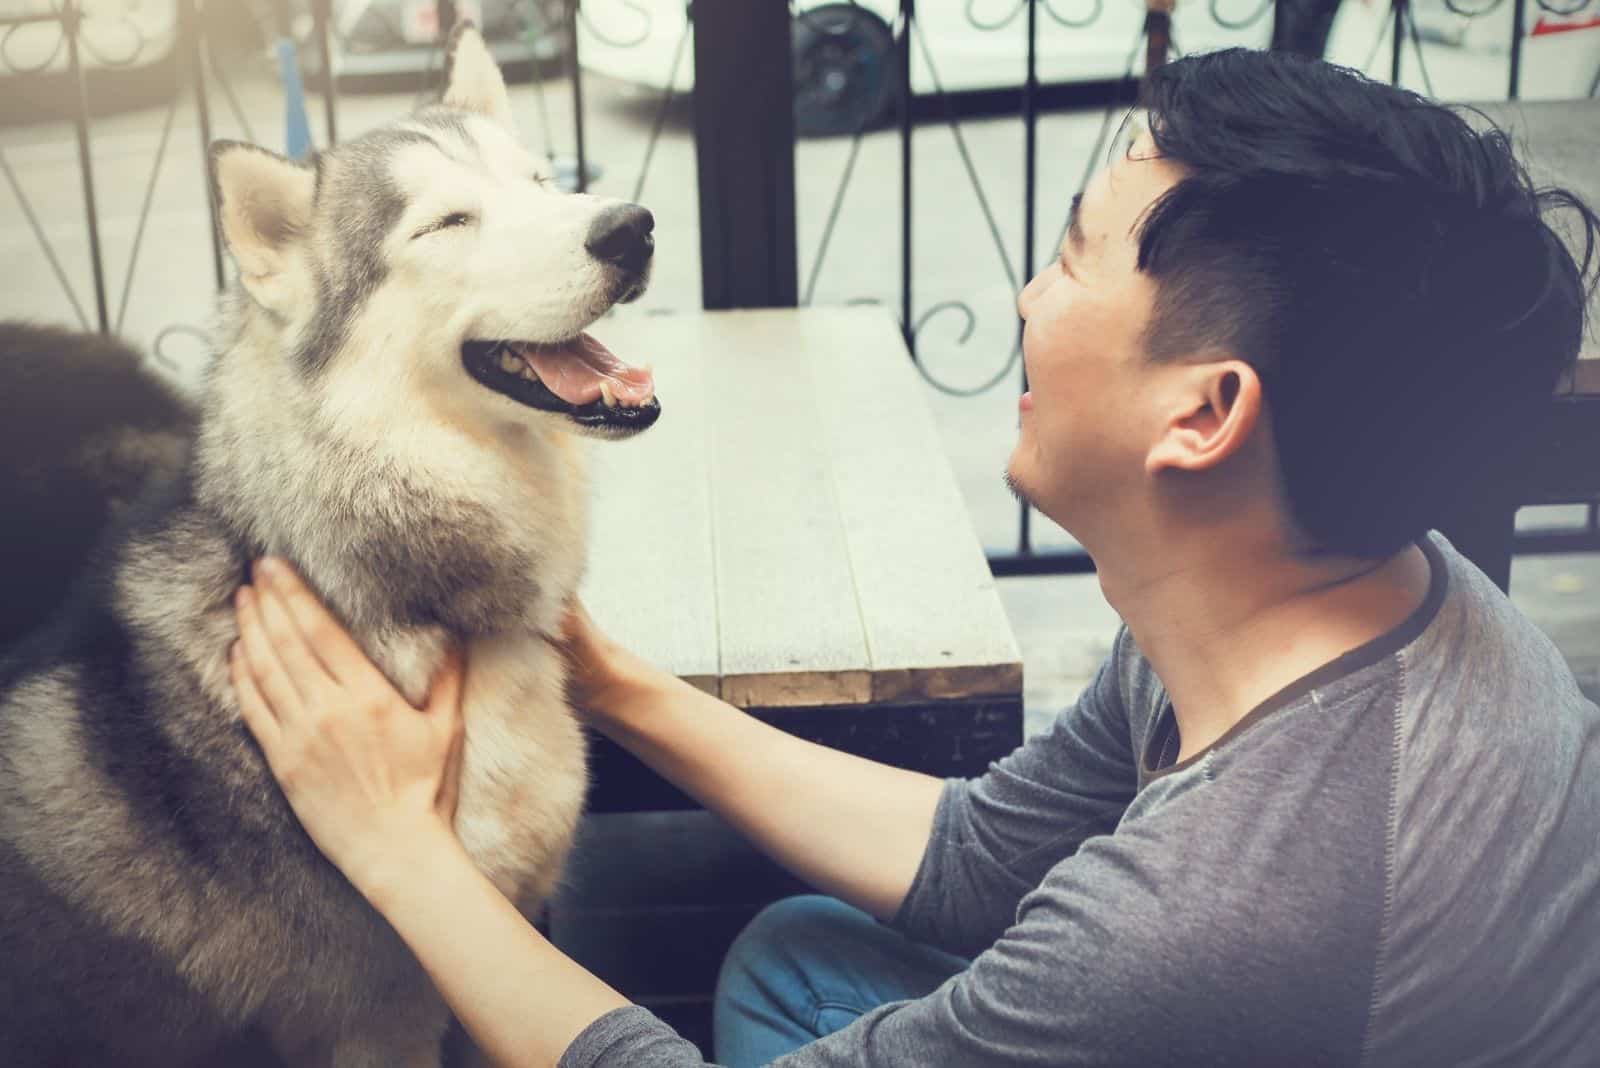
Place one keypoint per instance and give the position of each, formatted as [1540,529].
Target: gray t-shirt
[1394,861]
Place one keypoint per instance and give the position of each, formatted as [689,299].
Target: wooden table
[790,536]
[1560,142]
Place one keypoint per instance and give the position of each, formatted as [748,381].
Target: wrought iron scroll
[923,326]
[190,55]
[69,18]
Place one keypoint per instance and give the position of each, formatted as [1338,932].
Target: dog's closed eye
[445,222]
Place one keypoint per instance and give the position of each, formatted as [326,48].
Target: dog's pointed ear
[473,81]
[264,203]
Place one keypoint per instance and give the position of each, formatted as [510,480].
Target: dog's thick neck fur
[442,534]
[340,428]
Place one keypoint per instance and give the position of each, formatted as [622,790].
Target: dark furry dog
[85,429]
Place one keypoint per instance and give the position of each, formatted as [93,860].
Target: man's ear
[473,81]
[264,203]
[1215,410]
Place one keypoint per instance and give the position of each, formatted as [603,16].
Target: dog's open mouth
[580,378]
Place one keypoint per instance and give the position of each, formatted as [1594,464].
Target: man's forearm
[519,997]
[852,827]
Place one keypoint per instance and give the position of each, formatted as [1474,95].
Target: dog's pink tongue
[576,371]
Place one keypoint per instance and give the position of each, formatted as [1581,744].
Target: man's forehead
[1119,195]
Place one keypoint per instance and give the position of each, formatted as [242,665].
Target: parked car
[845,63]
[384,38]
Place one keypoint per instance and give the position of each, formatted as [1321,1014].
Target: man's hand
[368,774]
[606,680]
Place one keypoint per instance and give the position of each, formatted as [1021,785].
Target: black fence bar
[575,72]
[908,11]
[1543,542]
[1398,10]
[189,30]
[71,17]
[1518,13]
[1030,183]
[1157,33]
[321,16]
[1063,562]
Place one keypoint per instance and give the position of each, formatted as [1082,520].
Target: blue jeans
[809,966]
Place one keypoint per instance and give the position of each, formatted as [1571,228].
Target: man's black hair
[1386,268]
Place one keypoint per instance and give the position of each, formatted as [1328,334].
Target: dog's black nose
[621,235]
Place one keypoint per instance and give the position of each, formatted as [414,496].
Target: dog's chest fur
[478,541]
[524,773]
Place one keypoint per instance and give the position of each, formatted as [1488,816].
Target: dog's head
[433,261]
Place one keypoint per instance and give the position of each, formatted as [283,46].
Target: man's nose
[621,235]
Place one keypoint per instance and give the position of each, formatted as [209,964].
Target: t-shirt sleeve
[1135,950]
[630,1037]
[995,837]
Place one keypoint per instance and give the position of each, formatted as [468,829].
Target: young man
[1332,800]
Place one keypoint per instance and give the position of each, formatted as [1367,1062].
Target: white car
[844,61]
[114,34]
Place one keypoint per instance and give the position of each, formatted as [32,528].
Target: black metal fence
[761,71]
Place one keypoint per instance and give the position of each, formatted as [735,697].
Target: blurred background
[935,147]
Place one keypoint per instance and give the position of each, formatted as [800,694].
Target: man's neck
[1229,628]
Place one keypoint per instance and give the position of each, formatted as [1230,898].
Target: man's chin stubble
[1016,490]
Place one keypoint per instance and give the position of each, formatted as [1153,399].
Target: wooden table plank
[934,622]
[789,624]
[790,534]
[651,582]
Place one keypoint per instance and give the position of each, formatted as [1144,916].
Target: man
[1331,801]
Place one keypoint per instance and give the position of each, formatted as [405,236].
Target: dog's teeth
[509,362]
[607,396]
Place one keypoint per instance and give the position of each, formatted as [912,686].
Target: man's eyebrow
[1075,235]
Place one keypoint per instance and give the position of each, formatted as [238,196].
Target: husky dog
[401,381]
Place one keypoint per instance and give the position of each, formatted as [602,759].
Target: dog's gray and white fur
[157,897]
